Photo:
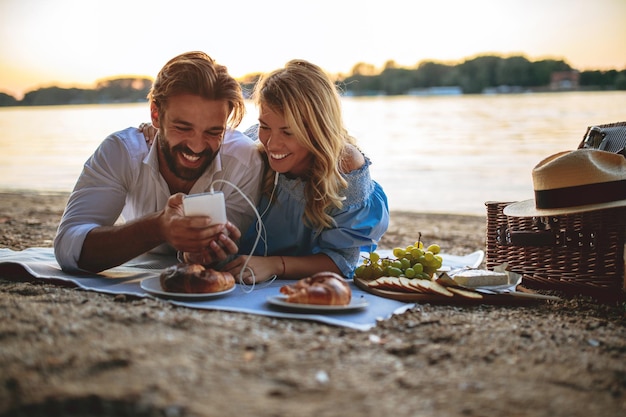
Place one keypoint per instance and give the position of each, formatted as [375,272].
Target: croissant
[323,288]
[195,278]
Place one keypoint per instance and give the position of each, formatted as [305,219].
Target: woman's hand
[221,245]
[149,132]
[200,241]
[258,269]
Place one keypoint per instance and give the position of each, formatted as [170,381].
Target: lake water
[431,154]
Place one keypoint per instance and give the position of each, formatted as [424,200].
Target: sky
[78,42]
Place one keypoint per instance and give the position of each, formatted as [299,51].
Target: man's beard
[184,173]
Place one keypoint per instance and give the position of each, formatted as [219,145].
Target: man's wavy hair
[197,73]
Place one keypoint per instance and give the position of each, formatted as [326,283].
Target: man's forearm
[109,246]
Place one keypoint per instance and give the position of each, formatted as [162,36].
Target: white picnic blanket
[126,279]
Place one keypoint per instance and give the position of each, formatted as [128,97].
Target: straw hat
[575,182]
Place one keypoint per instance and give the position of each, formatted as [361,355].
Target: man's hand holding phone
[221,234]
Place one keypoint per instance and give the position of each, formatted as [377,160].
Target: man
[195,105]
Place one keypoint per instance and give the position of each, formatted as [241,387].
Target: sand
[69,352]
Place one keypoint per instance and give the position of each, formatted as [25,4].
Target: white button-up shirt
[121,180]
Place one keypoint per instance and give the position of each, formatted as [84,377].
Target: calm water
[431,154]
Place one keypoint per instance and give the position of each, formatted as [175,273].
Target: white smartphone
[206,204]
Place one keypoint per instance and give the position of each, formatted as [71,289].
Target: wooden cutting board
[517,297]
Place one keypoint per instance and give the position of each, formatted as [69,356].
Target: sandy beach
[69,352]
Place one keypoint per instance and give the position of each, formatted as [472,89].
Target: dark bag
[608,137]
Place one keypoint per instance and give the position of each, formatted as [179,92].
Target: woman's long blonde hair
[308,100]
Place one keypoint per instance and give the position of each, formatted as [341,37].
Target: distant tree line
[472,76]
[118,90]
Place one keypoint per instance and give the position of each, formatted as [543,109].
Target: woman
[319,206]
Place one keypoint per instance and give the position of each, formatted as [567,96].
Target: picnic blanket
[126,279]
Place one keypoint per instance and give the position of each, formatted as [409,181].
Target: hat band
[581,195]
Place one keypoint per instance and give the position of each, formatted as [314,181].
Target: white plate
[153,286]
[280,301]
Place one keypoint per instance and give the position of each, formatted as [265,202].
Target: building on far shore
[436,91]
[564,80]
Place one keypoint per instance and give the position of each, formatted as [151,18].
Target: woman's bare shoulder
[351,159]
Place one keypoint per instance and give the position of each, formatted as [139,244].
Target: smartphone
[206,204]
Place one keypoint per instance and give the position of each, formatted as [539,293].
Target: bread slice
[466,293]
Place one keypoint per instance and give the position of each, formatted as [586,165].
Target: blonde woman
[319,206]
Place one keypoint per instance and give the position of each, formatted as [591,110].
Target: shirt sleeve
[97,199]
[359,228]
[359,224]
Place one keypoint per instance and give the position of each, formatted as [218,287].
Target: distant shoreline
[34,192]
[487,73]
[7,195]
[31,219]
[430,92]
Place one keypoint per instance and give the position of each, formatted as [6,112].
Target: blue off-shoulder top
[359,224]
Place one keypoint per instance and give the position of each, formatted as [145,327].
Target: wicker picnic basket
[579,253]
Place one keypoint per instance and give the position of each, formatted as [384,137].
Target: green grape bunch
[412,261]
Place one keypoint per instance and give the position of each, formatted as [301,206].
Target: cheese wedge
[480,278]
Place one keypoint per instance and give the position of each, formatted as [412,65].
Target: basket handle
[533,238]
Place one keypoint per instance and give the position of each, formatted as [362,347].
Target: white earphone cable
[260,229]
